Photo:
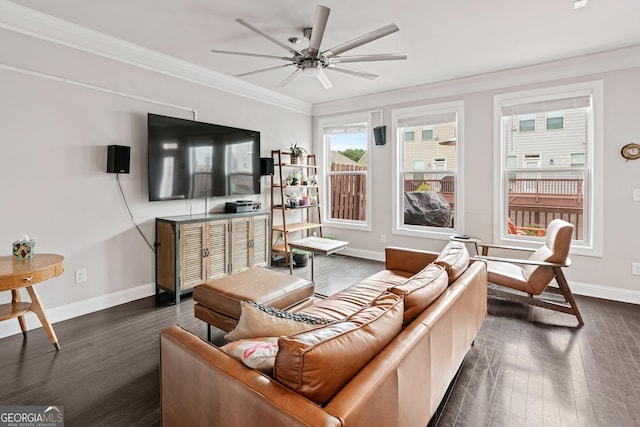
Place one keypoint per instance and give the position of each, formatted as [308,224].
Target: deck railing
[533,203]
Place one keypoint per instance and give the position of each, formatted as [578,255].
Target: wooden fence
[348,192]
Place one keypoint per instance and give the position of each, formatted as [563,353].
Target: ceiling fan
[312,61]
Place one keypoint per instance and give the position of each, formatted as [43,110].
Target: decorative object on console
[23,248]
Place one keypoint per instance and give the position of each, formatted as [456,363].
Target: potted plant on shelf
[296,152]
[292,178]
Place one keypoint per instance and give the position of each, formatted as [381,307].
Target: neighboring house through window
[567,158]
[427,189]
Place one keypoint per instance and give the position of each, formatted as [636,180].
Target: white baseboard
[80,308]
[605,292]
[360,253]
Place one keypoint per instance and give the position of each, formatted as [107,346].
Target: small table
[467,239]
[20,273]
[313,245]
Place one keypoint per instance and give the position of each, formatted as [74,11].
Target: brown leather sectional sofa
[396,343]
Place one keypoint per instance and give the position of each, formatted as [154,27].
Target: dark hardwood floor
[529,366]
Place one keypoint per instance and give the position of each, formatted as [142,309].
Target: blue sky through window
[343,141]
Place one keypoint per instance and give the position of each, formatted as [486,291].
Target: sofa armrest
[411,260]
[202,385]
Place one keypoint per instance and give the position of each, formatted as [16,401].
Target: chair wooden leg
[566,292]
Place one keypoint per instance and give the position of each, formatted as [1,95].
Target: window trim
[593,168]
[323,175]
[398,228]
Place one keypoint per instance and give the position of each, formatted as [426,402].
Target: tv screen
[193,160]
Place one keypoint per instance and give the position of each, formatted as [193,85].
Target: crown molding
[20,19]
[619,59]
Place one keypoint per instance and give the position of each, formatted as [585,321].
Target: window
[418,165]
[410,135]
[427,133]
[577,160]
[345,185]
[428,204]
[555,120]
[527,123]
[560,173]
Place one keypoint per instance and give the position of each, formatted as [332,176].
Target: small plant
[423,187]
[534,230]
[292,178]
[296,152]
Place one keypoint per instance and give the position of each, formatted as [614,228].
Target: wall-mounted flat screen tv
[193,160]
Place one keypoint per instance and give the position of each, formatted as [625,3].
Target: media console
[193,249]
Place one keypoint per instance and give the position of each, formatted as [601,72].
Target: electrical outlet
[81,275]
[635,268]
[636,194]
[383,238]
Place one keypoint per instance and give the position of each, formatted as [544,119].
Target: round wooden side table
[24,273]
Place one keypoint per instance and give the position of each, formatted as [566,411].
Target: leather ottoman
[218,301]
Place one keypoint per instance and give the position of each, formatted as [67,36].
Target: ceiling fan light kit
[312,61]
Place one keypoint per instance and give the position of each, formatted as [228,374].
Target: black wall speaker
[380,135]
[266,165]
[118,157]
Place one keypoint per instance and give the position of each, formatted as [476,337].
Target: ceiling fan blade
[289,78]
[261,70]
[359,41]
[353,72]
[317,31]
[324,80]
[259,55]
[267,36]
[365,58]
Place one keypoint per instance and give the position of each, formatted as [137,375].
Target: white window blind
[427,120]
[561,104]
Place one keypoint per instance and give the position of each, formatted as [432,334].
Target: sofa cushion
[259,320]
[455,259]
[421,290]
[256,353]
[317,363]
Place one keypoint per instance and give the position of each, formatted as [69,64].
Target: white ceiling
[445,39]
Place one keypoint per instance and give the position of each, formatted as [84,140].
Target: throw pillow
[256,353]
[318,363]
[455,259]
[421,290]
[259,320]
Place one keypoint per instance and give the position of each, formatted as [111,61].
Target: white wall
[606,277]
[54,137]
